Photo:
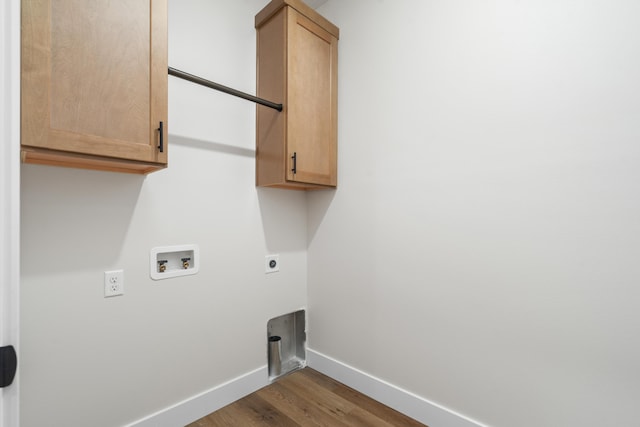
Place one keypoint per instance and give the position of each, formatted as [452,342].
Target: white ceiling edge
[315,3]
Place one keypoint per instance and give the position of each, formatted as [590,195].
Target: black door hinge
[8,365]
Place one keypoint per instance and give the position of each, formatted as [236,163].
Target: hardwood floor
[306,398]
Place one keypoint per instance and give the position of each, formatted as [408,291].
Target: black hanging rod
[225,89]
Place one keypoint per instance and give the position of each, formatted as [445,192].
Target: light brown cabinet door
[94,83]
[298,67]
[311,101]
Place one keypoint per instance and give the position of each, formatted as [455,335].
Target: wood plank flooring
[306,398]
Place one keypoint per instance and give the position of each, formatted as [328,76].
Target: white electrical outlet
[113,283]
[272,263]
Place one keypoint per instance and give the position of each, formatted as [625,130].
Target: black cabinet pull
[294,158]
[161,130]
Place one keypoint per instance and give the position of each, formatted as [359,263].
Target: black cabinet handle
[161,130]
[294,158]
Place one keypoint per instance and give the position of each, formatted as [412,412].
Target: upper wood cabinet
[94,84]
[297,65]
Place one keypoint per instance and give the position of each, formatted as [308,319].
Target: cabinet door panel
[311,103]
[89,77]
[100,69]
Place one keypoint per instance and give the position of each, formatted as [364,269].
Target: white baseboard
[203,404]
[414,406]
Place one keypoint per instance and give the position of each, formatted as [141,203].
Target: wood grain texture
[79,161]
[297,65]
[94,79]
[100,68]
[271,73]
[306,398]
[159,78]
[310,98]
[273,7]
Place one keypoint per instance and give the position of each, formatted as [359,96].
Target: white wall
[91,361]
[482,248]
